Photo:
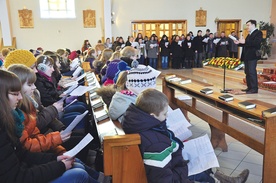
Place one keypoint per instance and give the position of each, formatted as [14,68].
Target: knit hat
[122,66]
[140,78]
[24,57]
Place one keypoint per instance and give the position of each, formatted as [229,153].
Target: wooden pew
[121,153]
[123,160]
[228,117]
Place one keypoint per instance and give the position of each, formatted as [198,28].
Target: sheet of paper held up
[177,117]
[178,123]
[77,71]
[74,123]
[70,83]
[80,77]
[73,152]
[216,40]
[80,90]
[75,100]
[181,132]
[200,153]
[70,89]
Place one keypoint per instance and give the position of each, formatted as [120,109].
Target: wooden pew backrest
[123,160]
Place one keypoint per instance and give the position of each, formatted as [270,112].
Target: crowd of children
[32,125]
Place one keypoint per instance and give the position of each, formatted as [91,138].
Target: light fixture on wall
[216,20]
[112,17]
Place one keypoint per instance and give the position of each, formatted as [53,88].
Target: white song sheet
[80,90]
[200,153]
[73,152]
[74,123]
[178,123]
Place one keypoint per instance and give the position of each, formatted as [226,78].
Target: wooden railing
[228,117]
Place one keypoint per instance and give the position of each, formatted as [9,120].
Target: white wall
[128,10]
[53,34]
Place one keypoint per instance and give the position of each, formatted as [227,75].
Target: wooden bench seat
[121,154]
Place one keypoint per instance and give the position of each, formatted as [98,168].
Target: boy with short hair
[160,149]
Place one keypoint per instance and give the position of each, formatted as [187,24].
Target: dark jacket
[189,53]
[222,47]
[211,46]
[47,117]
[165,51]
[64,66]
[198,44]
[22,166]
[252,44]
[127,60]
[157,139]
[177,50]
[47,89]
[232,46]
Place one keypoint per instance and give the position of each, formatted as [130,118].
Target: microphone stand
[224,90]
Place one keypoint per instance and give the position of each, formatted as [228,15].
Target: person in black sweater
[198,48]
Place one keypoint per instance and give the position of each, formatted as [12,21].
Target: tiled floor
[239,156]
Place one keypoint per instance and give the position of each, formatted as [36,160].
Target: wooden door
[159,27]
[228,26]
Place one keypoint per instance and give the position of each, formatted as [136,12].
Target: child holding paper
[160,149]
[153,51]
[31,138]
[19,165]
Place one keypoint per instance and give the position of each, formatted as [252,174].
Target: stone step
[231,75]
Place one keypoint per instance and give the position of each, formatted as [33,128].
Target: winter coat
[112,69]
[47,116]
[119,104]
[142,51]
[177,50]
[152,51]
[161,150]
[211,46]
[232,46]
[198,44]
[165,51]
[47,89]
[64,66]
[34,141]
[21,166]
[189,53]
[222,47]
[127,60]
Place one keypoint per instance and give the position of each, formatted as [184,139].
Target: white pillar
[5,23]
[107,19]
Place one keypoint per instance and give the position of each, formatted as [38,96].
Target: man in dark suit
[250,55]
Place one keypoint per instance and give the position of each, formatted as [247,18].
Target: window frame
[47,13]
